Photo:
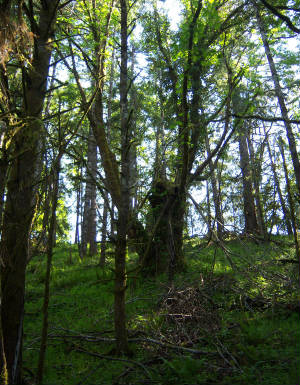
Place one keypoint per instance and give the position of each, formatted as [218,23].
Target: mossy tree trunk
[158,256]
[165,246]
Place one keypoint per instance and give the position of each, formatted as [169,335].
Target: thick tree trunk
[20,201]
[251,226]
[18,215]
[164,251]
[281,101]
[157,258]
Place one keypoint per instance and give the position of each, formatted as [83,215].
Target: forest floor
[231,318]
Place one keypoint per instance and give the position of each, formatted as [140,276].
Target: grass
[235,308]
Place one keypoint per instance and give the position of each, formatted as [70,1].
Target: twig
[147,340]
[83,380]
[97,355]
[235,364]
[128,370]
[170,346]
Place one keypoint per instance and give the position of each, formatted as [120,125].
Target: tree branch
[286,19]
[266,118]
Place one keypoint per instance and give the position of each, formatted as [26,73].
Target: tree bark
[256,176]
[123,209]
[106,198]
[251,226]
[20,201]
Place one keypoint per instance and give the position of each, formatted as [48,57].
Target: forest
[149,192]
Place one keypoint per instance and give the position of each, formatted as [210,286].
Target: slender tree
[280,96]
[290,199]
[51,236]
[219,220]
[89,225]
[284,208]
[124,207]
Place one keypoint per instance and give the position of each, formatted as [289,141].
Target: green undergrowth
[230,318]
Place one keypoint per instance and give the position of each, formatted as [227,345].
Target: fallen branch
[90,338]
[102,356]
[170,346]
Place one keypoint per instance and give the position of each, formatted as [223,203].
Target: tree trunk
[3,364]
[209,216]
[104,233]
[158,257]
[134,134]
[256,176]
[159,172]
[178,223]
[3,167]
[3,171]
[251,226]
[78,204]
[286,214]
[89,225]
[106,197]
[50,244]
[20,201]
[281,101]
[123,209]
[290,200]
[216,194]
